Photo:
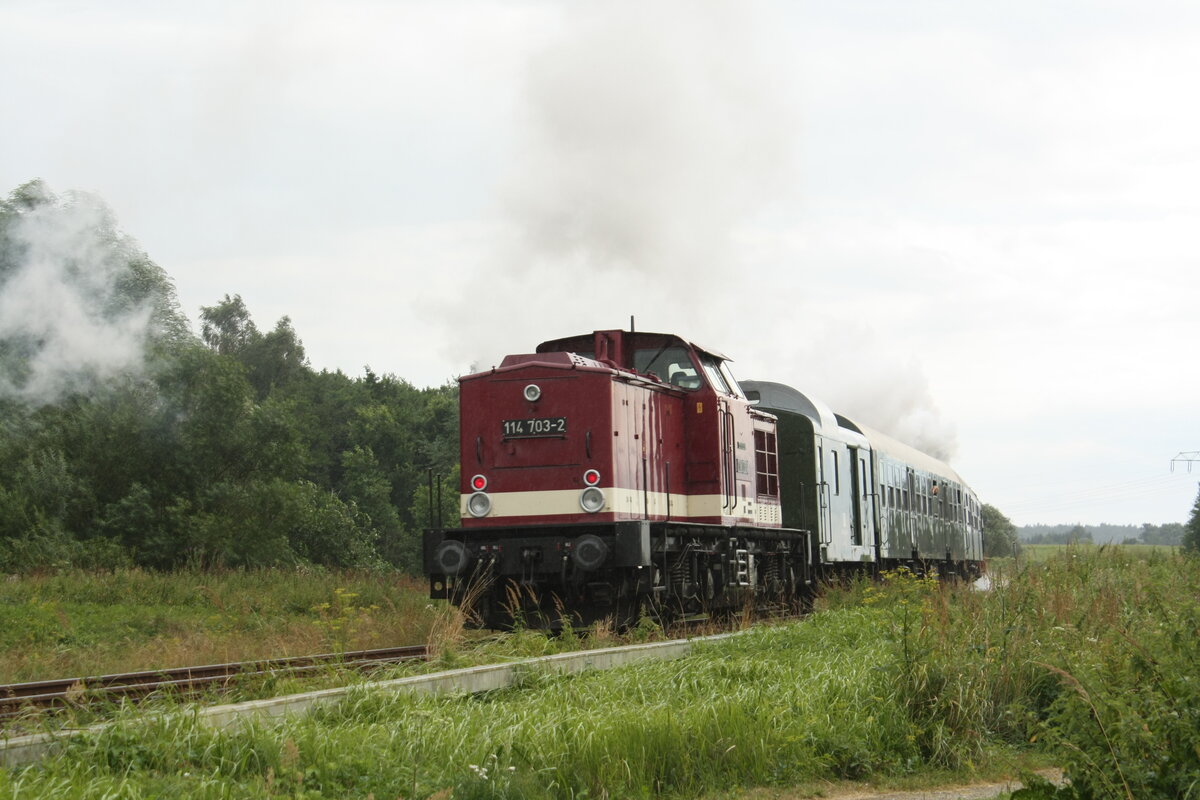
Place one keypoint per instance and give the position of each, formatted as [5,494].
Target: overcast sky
[972,224]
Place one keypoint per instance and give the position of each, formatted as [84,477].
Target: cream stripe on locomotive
[632,502]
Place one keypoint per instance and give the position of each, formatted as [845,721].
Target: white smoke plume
[65,324]
[872,381]
[653,136]
[895,398]
[653,130]
[647,134]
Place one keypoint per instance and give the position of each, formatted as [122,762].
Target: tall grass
[1092,655]
[85,623]
[1088,659]
[775,706]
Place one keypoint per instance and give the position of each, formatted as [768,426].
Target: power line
[1095,495]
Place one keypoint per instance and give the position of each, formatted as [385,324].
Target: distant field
[81,623]
[1040,552]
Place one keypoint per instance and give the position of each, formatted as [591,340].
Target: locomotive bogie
[556,575]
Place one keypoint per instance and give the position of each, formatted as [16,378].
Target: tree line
[1169,534]
[1003,538]
[222,449]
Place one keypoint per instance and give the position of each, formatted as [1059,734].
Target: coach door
[856,511]
[826,512]
[862,511]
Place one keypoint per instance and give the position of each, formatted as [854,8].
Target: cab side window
[766,463]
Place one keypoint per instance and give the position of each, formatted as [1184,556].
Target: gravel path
[974,791]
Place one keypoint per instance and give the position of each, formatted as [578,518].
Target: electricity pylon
[1189,458]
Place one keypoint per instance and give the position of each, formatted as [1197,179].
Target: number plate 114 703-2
[546,426]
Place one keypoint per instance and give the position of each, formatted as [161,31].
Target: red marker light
[591,477]
[479,483]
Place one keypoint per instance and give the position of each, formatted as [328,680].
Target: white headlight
[532,393]
[591,500]
[479,504]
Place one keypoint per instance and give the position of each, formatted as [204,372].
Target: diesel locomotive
[621,473]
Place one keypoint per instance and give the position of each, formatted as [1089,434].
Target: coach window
[837,475]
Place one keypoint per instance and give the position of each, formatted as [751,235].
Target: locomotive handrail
[667,469]
[730,492]
[645,487]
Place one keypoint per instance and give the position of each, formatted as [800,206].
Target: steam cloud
[894,397]
[65,324]
[648,133]
[654,134]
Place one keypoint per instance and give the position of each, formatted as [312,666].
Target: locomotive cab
[712,451]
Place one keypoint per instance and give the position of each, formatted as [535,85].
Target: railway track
[19,699]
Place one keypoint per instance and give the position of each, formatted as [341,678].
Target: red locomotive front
[605,470]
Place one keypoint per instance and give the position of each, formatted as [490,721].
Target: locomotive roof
[585,341]
[781,397]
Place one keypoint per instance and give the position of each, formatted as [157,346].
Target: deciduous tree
[999,533]
[1191,533]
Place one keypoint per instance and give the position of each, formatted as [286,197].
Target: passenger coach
[870,499]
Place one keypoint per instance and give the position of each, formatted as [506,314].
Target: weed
[341,618]
[85,623]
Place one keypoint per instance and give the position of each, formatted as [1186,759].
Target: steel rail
[17,698]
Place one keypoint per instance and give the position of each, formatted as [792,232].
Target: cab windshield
[671,364]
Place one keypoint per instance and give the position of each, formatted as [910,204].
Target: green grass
[1041,552]
[80,623]
[1086,660]
[771,706]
